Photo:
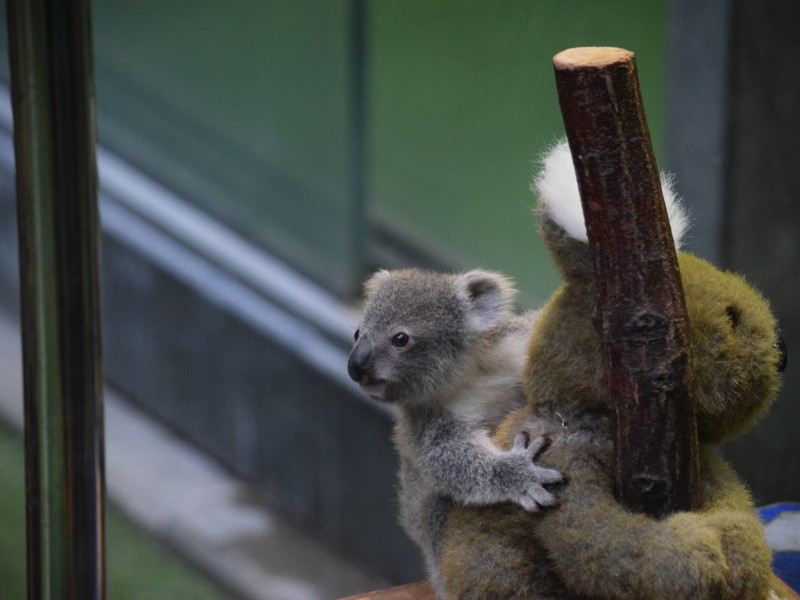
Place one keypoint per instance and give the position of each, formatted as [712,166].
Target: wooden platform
[421,590]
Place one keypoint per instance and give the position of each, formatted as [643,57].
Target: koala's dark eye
[400,339]
[733,316]
[356,334]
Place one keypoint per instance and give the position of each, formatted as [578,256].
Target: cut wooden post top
[590,56]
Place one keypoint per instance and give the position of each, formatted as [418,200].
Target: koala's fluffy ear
[488,295]
[561,214]
[374,283]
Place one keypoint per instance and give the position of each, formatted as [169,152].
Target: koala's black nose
[780,345]
[358,362]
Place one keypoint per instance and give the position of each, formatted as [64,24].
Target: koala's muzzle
[359,361]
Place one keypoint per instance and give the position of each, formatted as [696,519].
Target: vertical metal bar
[54,136]
[358,139]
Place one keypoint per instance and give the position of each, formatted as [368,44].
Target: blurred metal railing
[54,136]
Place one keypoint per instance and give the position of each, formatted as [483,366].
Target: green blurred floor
[138,567]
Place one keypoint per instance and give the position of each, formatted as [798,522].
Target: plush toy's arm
[601,549]
[729,508]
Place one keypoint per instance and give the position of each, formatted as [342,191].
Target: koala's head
[419,330]
[735,348]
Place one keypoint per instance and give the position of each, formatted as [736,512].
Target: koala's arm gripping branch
[640,311]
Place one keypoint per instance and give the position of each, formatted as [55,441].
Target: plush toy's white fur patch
[557,189]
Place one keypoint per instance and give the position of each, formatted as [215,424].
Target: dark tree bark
[640,312]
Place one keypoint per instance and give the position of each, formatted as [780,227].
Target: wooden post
[640,312]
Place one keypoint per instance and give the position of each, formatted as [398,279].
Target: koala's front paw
[533,495]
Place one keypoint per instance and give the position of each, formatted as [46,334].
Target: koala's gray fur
[448,351]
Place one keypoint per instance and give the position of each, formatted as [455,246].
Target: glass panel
[243,107]
[248,108]
[463,99]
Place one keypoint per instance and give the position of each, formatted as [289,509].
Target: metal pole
[358,119]
[54,135]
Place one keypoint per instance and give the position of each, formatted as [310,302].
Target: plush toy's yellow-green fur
[590,544]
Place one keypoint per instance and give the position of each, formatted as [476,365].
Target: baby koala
[448,352]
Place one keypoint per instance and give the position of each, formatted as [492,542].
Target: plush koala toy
[590,546]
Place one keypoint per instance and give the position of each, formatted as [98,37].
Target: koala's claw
[539,445]
[536,498]
[549,475]
[522,442]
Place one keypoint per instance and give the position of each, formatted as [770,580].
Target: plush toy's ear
[374,283]
[488,295]
[561,214]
